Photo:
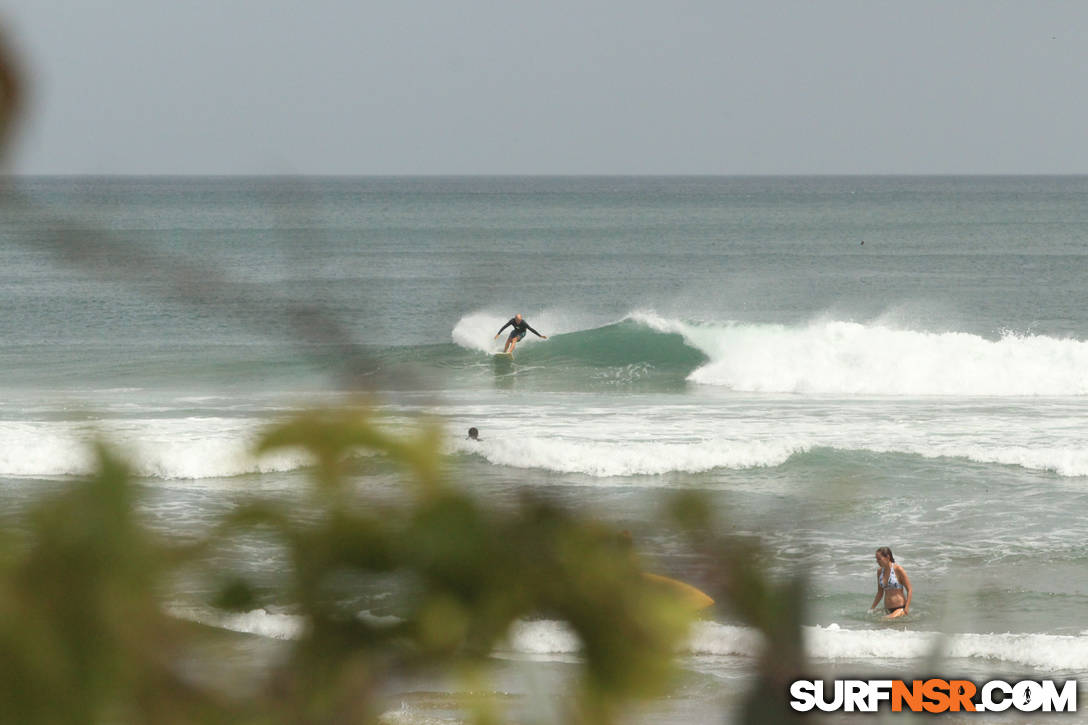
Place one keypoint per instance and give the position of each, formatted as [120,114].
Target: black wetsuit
[519,329]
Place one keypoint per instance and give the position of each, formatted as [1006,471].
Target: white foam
[407,715]
[543,637]
[557,637]
[259,622]
[1065,461]
[732,433]
[1016,401]
[1043,651]
[711,638]
[849,358]
[29,449]
[263,623]
[191,448]
[628,458]
[477,331]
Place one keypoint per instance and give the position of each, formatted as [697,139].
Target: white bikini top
[892,583]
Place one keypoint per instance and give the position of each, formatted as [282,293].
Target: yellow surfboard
[697,598]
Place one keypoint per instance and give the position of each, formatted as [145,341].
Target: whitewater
[1068,653]
[844,386]
[834,385]
[824,357]
[728,337]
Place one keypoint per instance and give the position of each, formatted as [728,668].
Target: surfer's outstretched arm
[542,337]
[508,323]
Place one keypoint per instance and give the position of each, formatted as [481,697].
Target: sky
[552,87]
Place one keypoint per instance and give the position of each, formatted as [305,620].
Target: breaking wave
[543,637]
[821,357]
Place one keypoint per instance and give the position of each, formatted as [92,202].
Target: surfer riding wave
[518,333]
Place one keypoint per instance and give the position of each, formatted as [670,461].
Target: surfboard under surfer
[518,333]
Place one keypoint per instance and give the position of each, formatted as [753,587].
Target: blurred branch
[11,94]
[775,609]
[196,284]
[193,283]
[83,637]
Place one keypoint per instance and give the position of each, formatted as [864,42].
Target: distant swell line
[607,460]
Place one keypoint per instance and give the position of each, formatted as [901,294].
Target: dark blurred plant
[476,570]
[83,638]
[82,634]
[775,609]
[11,94]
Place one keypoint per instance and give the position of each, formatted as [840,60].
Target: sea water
[837,363]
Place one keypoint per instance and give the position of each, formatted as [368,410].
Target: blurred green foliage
[84,637]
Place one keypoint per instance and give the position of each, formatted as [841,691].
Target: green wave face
[622,353]
[618,344]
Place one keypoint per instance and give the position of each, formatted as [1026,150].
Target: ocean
[837,363]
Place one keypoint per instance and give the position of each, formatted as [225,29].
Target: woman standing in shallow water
[893,584]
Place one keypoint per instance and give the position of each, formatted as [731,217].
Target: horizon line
[794,175]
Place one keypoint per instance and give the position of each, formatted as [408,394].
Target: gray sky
[553,87]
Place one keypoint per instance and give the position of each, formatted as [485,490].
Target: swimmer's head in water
[473,433]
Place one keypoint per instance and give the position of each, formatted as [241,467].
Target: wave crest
[847,358]
[826,357]
[606,458]
[627,342]
[1044,651]
[1052,652]
[164,449]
